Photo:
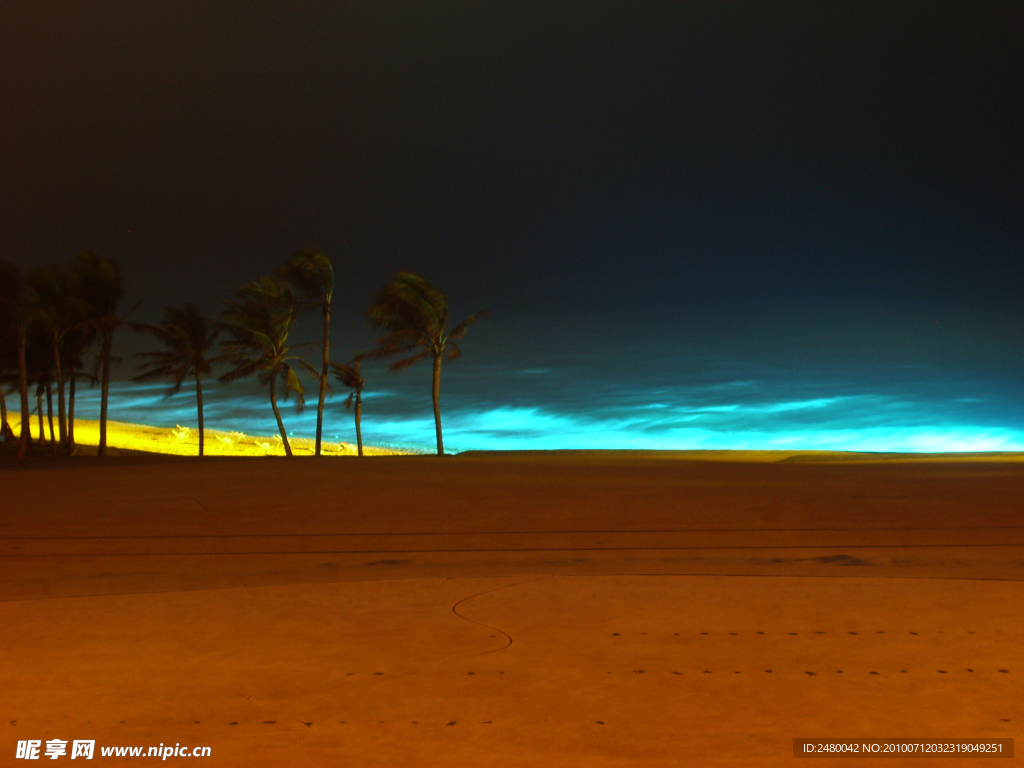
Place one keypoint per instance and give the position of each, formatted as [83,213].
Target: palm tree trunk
[62,423]
[71,412]
[323,377]
[49,416]
[23,392]
[436,391]
[199,405]
[359,415]
[39,414]
[277,415]
[5,428]
[101,449]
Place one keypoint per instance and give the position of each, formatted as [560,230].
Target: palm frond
[247,368]
[307,369]
[310,273]
[460,330]
[348,374]
[292,384]
[403,364]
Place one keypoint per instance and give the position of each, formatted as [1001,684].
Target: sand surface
[542,609]
[183,440]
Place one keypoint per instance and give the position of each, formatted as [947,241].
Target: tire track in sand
[488,626]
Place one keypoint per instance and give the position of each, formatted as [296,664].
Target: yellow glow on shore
[184,441]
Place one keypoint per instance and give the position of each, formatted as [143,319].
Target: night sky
[847,171]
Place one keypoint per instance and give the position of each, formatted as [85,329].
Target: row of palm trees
[49,318]
[67,309]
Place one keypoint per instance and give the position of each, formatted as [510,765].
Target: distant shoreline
[184,441]
[175,441]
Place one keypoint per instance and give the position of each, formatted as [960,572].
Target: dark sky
[664,166]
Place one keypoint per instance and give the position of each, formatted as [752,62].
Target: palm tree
[5,428]
[75,344]
[258,322]
[39,368]
[348,375]
[98,285]
[18,311]
[310,274]
[187,336]
[59,310]
[415,314]
[8,345]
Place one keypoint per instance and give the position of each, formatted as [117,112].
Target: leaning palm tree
[59,310]
[348,375]
[258,322]
[19,308]
[310,274]
[75,344]
[187,336]
[415,314]
[8,354]
[98,289]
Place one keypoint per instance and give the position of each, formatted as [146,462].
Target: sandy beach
[183,440]
[563,609]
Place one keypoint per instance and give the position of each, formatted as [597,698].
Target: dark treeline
[57,326]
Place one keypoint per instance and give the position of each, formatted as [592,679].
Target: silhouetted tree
[310,274]
[187,336]
[76,342]
[58,310]
[415,314]
[39,367]
[8,341]
[348,375]
[258,322]
[98,285]
[18,311]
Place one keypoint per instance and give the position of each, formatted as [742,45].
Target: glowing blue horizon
[736,415]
